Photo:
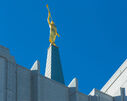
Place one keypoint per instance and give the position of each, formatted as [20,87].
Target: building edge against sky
[21,84]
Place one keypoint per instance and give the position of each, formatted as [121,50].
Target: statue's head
[52,22]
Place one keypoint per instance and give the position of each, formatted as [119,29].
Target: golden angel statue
[53,29]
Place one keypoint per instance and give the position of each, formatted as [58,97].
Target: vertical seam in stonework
[16,83]
[36,85]
[6,83]
[6,76]
[31,86]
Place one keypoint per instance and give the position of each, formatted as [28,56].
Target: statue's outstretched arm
[49,16]
[57,33]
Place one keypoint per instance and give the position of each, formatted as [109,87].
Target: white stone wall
[7,75]
[51,90]
[2,79]
[82,97]
[73,96]
[102,96]
[23,84]
[11,81]
[96,95]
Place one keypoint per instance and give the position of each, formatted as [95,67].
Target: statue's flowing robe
[53,33]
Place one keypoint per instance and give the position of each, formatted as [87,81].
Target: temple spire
[53,65]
